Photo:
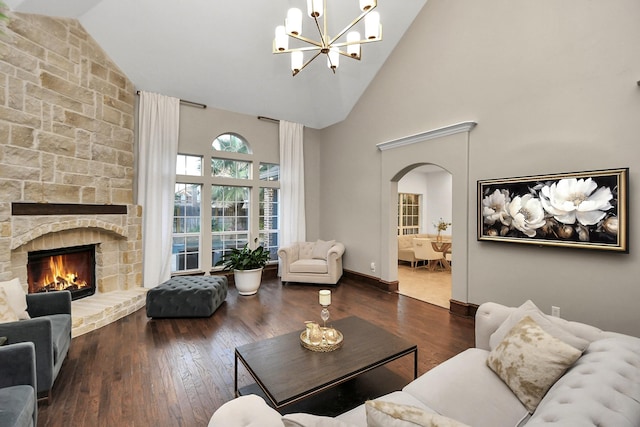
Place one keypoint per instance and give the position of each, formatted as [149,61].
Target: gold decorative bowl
[324,346]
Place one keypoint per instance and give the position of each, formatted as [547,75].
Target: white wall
[552,86]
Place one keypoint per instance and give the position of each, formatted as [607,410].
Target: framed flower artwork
[581,209]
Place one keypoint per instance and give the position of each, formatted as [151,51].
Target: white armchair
[312,262]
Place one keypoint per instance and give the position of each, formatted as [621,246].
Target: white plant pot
[247,281]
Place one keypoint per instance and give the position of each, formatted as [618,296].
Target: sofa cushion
[308,420]
[388,414]
[601,389]
[17,404]
[530,361]
[6,312]
[531,310]
[467,378]
[16,297]
[321,249]
[309,266]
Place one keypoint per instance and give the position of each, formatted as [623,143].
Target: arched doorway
[448,148]
[424,200]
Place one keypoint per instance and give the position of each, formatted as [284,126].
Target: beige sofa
[405,246]
[601,388]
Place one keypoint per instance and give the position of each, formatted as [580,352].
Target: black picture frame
[587,210]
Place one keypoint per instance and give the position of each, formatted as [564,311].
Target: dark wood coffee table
[287,373]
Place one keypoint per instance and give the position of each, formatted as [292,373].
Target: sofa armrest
[47,303]
[336,251]
[18,365]
[288,254]
[38,331]
[489,317]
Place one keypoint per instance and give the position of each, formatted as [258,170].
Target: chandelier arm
[298,49]
[353,23]
[306,40]
[306,63]
[342,44]
[322,36]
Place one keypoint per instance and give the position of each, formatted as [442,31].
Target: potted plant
[247,265]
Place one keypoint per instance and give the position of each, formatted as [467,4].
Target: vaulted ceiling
[218,52]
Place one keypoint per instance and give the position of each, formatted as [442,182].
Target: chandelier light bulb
[353,49]
[372,25]
[293,23]
[333,58]
[367,4]
[314,8]
[297,59]
[282,40]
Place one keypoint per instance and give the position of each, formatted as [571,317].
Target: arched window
[231,142]
[238,195]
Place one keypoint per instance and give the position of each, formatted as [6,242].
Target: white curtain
[292,212]
[159,120]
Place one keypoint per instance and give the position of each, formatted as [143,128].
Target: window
[269,208]
[229,219]
[186,227]
[223,168]
[189,165]
[241,196]
[408,213]
[232,143]
[269,172]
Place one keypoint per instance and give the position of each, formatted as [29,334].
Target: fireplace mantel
[24,208]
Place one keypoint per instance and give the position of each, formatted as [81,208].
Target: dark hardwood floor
[177,372]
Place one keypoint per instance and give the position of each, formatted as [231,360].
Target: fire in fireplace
[71,269]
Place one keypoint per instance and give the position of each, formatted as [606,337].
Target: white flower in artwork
[527,214]
[494,207]
[574,199]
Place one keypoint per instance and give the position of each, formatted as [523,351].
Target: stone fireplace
[67,162]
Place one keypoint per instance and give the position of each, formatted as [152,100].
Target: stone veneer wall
[66,136]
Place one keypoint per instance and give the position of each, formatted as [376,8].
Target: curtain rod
[182,101]
[268,119]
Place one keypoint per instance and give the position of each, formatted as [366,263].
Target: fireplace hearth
[71,269]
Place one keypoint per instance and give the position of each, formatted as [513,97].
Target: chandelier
[330,46]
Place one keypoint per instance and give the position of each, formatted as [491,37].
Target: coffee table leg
[235,376]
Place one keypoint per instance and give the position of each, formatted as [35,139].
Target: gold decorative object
[321,339]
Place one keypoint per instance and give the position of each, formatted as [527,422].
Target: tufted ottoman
[187,296]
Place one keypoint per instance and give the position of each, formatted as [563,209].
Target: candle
[325,297]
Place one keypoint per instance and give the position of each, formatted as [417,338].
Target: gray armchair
[18,401]
[49,329]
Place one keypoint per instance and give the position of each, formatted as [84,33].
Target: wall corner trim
[424,136]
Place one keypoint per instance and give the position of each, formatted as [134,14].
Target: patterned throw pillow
[308,420]
[531,310]
[530,361]
[388,414]
[16,297]
[6,312]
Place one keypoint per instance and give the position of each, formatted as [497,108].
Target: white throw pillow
[6,312]
[389,414]
[308,420]
[16,297]
[321,248]
[530,361]
[531,310]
